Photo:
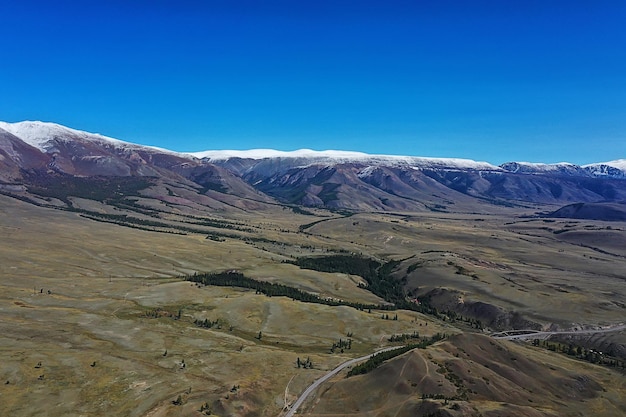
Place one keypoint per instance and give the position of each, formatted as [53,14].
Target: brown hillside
[472,374]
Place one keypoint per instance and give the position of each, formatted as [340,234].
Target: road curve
[539,335]
[311,388]
[532,334]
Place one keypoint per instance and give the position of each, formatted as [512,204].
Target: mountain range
[34,154]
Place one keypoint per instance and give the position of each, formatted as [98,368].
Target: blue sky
[541,81]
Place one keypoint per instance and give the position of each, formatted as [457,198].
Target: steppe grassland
[568,277]
[100,351]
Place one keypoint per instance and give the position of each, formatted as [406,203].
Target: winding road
[311,388]
[536,334]
[508,335]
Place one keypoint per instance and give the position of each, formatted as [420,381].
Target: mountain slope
[329,179]
[48,159]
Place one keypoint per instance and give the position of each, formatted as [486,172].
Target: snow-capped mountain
[332,179]
[612,169]
[562,168]
[332,157]
[44,135]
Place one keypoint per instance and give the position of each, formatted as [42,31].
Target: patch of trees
[133,222]
[158,312]
[219,224]
[446,398]
[299,210]
[25,199]
[115,191]
[579,352]
[453,316]
[404,337]
[347,264]
[237,279]
[206,409]
[376,274]
[376,360]
[306,364]
[413,267]
[341,345]
[303,227]
[207,324]
[157,226]
[106,189]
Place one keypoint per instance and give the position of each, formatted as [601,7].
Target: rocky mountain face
[418,183]
[30,151]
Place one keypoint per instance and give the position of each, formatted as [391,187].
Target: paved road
[534,334]
[307,392]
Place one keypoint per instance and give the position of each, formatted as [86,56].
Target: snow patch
[366,172]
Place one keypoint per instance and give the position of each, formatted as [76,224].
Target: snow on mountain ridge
[41,134]
[546,167]
[221,155]
[618,163]
[540,168]
[333,157]
[611,169]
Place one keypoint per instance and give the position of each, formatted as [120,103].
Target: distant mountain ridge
[330,179]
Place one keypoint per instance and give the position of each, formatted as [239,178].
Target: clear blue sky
[541,81]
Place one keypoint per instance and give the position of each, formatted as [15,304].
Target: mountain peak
[40,134]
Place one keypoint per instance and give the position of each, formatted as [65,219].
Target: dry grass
[105,280]
[474,375]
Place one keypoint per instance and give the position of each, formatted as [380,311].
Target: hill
[592,211]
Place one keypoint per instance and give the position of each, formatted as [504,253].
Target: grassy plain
[107,339]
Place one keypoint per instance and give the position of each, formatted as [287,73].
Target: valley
[140,282]
[118,301]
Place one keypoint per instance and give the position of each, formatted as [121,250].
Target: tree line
[237,279]
[376,360]
[377,275]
